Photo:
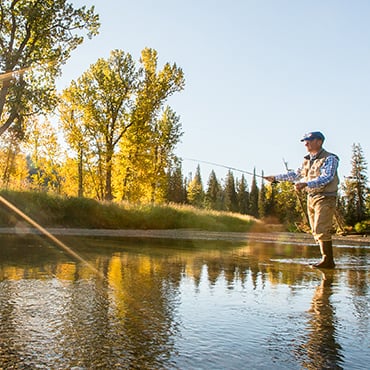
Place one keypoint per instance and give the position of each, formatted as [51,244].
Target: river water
[181,305]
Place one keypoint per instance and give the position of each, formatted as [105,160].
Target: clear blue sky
[259,74]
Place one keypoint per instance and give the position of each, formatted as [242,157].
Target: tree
[44,156]
[355,188]
[213,196]
[147,151]
[36,38]
[253,198]
[262,201]
[195,190]
[98,113]
[289,209]
[230,198]
[270,194]
[176,191]
[242,195]
[116,110]
[72,127]
[147,156]
[13,167]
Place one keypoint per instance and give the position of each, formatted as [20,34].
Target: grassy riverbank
[54,211]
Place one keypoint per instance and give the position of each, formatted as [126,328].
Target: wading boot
[327,261]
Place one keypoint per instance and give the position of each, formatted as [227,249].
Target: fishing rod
[224,166]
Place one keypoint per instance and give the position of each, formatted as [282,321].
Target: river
[165,304]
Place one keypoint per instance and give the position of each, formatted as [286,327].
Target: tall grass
[54,211]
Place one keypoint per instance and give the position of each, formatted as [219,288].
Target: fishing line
[223,166]
[67,249]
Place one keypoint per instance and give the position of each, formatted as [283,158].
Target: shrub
[363,227]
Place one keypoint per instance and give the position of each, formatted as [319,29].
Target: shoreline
[192,234]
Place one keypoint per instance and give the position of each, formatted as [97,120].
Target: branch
[8,122]
[3,93]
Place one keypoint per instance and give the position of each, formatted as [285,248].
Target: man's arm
[291,176]
[327,173]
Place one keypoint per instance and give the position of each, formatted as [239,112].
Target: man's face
[313,146]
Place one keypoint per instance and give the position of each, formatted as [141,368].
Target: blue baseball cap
[313,135]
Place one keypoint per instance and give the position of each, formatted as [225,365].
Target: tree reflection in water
[167,305]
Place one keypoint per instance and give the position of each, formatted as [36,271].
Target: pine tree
[175,190]
[262,202]
[254,195]
[230,197]
[195,190]
[242,196]
[213,196]
[355,188]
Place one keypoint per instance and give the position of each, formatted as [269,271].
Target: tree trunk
[108,178]
[80,174]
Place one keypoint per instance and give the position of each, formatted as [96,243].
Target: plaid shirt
[327,174]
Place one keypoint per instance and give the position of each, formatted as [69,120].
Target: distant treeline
[47,169]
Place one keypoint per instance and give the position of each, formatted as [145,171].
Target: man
[318,177]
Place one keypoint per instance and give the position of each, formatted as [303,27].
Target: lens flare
[59,243]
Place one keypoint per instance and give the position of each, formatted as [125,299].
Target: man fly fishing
[319,178]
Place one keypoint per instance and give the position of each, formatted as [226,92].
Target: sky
[259,75]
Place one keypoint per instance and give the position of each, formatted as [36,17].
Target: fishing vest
[311,170]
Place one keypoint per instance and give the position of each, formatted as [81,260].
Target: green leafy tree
[289,209]
[97,113]
[165,135]
[36,38]
[271,207]
[147,156]
[44,156]
[13,168]
[355,188]
[116,123]
[75,132]
[147,151]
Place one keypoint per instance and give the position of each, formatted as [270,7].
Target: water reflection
[141,297]
[322,348]
[175,306]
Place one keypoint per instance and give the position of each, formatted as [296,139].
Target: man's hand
[300,186]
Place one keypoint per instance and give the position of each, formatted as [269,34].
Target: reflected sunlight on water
[175,305]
